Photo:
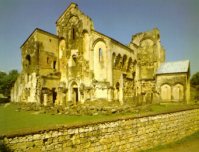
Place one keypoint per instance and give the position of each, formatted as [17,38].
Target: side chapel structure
[80,64]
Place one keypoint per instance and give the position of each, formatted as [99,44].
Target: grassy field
[14,121]
[187,144]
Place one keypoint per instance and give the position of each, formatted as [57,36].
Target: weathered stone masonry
[79,64]
[123,135]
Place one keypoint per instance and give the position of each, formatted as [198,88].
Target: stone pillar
[45,99]
[110,94]
[116,92]
[120,93]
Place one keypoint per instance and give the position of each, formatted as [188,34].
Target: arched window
[54,64]
[73,33]
[74,57]
[100,55]
[124,60]
[129,64]
[28,58]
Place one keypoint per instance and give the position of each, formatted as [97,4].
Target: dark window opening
[75,91]
[73,33]
[54,95]
[117,86]
[54,64]
[100,54]
[74,59]
[28,58]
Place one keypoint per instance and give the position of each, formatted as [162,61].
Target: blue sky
[177,20]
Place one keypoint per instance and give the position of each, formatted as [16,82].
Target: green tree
[195,79]
[195,86]
[7,81]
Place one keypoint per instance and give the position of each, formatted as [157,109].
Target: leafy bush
[195,79]
[7,81]
[195,86]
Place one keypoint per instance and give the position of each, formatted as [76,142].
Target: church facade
[80,64]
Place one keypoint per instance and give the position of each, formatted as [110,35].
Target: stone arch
[117,61]
[165,92]
[124,59]
[178,92]
[98,40]
[86,44]
[73,23]
[99,59]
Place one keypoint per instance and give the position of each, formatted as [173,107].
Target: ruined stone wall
[48,53]
[129,89]
[122,135]
[25,88]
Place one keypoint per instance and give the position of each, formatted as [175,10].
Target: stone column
[121,96]
[45,99]
[110,94]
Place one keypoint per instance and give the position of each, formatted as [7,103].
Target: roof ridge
[176,61]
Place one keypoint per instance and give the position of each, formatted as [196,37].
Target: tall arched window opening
[54,64]
[73,33]
[100,55]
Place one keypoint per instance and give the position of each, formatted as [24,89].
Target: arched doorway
[74,92]
[54,95]
[165,92]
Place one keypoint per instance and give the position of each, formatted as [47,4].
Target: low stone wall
[132,134]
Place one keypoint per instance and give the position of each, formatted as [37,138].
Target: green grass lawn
[13,121]
[187,144]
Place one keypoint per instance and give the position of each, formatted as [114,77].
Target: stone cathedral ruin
[80,64]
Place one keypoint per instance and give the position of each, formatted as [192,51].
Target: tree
[7,81]
[195,86]
[195,79]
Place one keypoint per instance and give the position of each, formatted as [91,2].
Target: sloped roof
[38,30]
[174,67]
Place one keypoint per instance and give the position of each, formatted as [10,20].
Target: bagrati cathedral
[80,64]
